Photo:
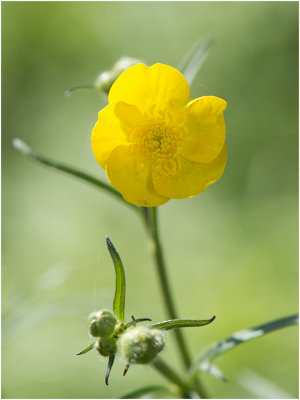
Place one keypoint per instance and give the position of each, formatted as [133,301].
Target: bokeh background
[231,251]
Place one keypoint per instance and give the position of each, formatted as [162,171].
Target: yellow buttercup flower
[155,142]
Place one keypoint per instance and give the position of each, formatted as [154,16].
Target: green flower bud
[106,346]
[140,345]
[119,329]
[124,63]
[105,80]
[101,323]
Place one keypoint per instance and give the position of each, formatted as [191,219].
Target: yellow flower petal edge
[131,176]
[154,141]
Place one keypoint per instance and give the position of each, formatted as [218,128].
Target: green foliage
[180,323]
[145,391]
[194,59]
[90,347]
[24,149]
[203,363]
[119,299]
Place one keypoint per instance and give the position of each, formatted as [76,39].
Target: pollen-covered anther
[157,140]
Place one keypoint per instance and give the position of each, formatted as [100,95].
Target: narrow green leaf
[145,391]
[86,349]
[135,321]
[237,338]
[194,58]
[212,370]
[109,367]
[119,300]
[180,323]
[28,152]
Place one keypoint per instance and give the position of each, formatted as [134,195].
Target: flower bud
[106,346]
[101,323]
[105,80]
[140,345]
[124,63]
[119,329]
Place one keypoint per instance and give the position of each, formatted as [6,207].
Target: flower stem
[172,376]
[151,221]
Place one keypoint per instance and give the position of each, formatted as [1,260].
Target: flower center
[156,140]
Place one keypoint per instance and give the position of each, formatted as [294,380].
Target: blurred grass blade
[260,387]
[212,370]
[109,367]
[86,349]
[119,300]
[180,323]
[28,152]
[237,338]
[145,391]
[194,59]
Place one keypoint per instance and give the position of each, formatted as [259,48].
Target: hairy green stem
[172,376]
[24,149]
[150,218]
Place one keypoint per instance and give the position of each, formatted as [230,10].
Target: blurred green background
[231,251]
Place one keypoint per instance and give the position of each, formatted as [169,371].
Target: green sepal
[180,323]
[109,367]
[86,349]
[119,299]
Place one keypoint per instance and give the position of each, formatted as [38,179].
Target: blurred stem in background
[150,217]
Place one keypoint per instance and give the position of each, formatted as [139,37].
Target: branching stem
[151,222]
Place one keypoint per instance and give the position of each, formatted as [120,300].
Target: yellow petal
[190,179]
[129,114]
[205,129]
[107,134]
[145,86]
[131,175]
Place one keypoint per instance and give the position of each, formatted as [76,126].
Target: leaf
[194,58]
[28,152]
[212,370]
[260,387]
[109,367]
[86,349]
[144,391]
[237,338]
[180,323]
[119,300]
[135,321]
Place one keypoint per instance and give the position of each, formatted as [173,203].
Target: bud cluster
[139,345]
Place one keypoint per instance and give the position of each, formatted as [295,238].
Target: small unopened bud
[119,329]
[106,346]
[124,63]
[105,80]
[140,345]
[101,323]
